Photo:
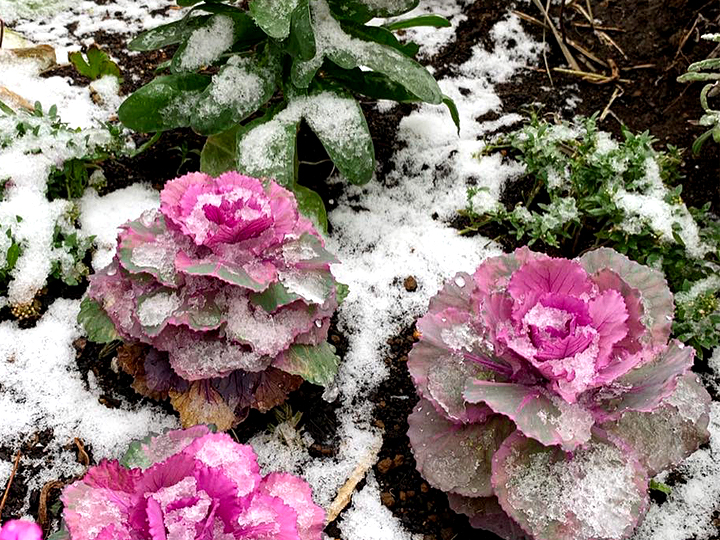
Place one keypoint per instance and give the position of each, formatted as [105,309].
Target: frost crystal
[533,353]
[229,287]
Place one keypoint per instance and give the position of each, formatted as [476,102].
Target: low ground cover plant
[45,166]
[224,297]
[551,394]
[581,189]
[191,484]
[247,76]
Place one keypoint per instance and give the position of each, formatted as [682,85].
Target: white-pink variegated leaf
[597,492]
[455,457]
[666,436]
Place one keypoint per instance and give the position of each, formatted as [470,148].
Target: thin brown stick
[587,53]
[608,39]
[9,482]
[82,457]
[2,32]
[598,27]
[529,18]
[566,52]
[616,94]
[687,36]
[547,65]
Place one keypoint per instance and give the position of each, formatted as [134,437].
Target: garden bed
[397,238]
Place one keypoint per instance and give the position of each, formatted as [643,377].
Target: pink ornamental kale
[231,289]
[19,529]
[550,394]
[189,485]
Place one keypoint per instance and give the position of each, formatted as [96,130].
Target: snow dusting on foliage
[398,230]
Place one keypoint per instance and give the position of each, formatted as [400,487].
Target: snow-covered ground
[401,232]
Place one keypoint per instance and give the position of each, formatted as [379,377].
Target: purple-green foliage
[231,288]
[550,394]
[190,484]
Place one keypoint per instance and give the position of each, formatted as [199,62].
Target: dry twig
[566,52]
[16,464]
[616,94]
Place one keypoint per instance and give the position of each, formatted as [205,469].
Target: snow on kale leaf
[550,393]
[190,484]
[224,296]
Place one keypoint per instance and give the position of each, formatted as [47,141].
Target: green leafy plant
[581,190]
[95,64]
[247,78]
[696,72]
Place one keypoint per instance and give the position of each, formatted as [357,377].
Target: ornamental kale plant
[550,394]
[231,293]
[190,484]
[248,77]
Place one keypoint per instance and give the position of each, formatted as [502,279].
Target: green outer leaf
[359,11]
[422,20]
[61,534]
[98,325]
[273,16]
[301,42]
[311,205]
[272,142]
[378,34]
[275,296]
[165,103]
[219,153]
[226,272]
[317,364]
[353,153]
[167,34]
[454,113]
[97,65]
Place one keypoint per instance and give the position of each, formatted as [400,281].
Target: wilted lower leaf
[202,404]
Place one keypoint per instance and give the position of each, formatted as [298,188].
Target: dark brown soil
[654,52]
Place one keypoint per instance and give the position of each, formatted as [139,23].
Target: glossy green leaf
[301,42]
[167,34]
[273,16]
[239,89]
[340,124]
[275,296]
[378,34]
[454,113]
[98,325]
[422,20]
[311,205]
[168,102]
[362,10]
[266,148]
[317,364]
[219,153]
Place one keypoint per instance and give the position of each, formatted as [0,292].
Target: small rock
[410,284]
[379,424]
[410,493]
[403,496]
[384,465]
[387,499]
[424,487]
[398,460]
[447,533]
